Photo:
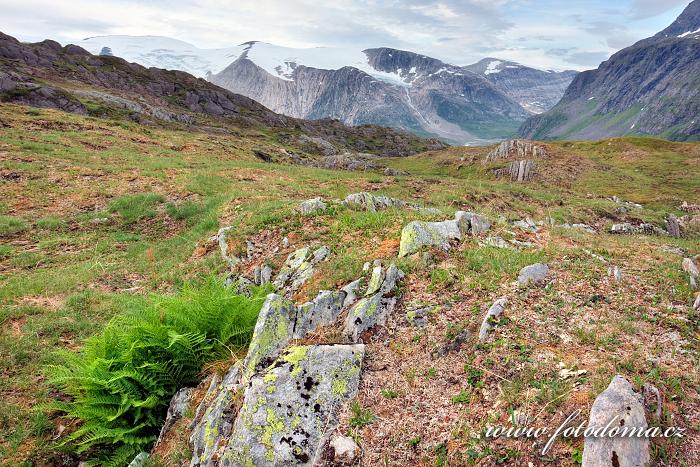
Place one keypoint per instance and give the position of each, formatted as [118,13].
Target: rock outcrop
[418,234]
[616,411]
[533,274]
[518,149]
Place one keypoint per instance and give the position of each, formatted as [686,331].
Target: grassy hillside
[98,214]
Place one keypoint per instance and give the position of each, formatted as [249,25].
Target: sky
[547,34]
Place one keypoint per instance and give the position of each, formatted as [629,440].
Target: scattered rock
[651,391]
[312,206]
[494,312]
[389,172]
[645,229]
[696,304]
[226,246]
[672,226]
[617,408]
[322,311]
[288,411]
[298,268]
[497,242]
[375,203]
[345,450]
[417,315]
[272,333]
[615,273]
[533,274]
[470,222]
[526,224]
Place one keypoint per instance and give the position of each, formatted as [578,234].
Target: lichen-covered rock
[179,403]
[494,312]
[375,281]
[272,333]
[322,311]
[289,411]
[526,224]
[391,279]
[299,268]
[351,292]
[312,206]
[533,274]
[214,418]
[418,234]
[618,408]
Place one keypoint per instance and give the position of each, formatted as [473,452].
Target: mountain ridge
[649,88]
[417,93]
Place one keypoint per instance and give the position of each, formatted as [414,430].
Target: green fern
[120,384]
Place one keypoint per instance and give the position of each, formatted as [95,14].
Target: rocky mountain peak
[687,24]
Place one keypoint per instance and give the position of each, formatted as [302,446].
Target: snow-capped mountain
[535,90]
[383,86]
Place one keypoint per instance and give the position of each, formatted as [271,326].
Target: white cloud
[457,31]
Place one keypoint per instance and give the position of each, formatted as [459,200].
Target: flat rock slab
[417,235]
[289,411]
[619,407]
[533,274]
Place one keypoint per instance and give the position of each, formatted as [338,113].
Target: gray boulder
[494,312]
[322,311]
[472,223]
[351,292]
[618,408]
[312,206]
[533,274]
[289,411]
[272,333]
[418,234]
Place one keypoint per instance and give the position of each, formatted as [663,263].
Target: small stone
[224,246]
[366,266]
[672,226]
[345,450]
[618,408]
[533,274]
[696,304]
[497,242]
[265,275]
[494,312]
[312,206]
[615,273]
[690,267]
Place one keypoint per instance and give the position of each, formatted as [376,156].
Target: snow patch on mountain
[492,67]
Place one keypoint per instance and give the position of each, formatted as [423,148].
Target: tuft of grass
[51,223]
[184,211]
[121,383]
[133,208]
[360,417]
[12,225]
